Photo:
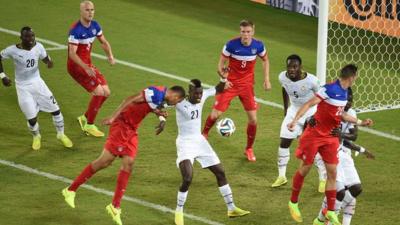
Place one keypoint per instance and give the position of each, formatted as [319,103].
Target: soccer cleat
[91,129]
[318,222]
[36,143]
[82,121]
[69,197]
[237,212]
[65,140]
[332,217]
[178,218]
[295,212]
[114,213]
[321,186]
[250,155]
[279,182]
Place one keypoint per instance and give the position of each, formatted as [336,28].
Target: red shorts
[311,143]
[246,96]
[122,139]
[85,80]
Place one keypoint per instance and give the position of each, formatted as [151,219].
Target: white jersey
[299,91]
[188,115]
[346,126]
[26,62]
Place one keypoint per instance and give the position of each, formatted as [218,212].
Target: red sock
[82,178]
[122,182]
[209,123]
[298,181]
[251,134]
[93,108]
[330,199]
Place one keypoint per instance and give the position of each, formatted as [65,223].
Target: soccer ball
[225,127]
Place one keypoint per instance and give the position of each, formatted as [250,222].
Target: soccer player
[33,93]
[298,86]
[348,182]
[81,37]
[331,100]
[122,140]
[241,53]
[192,145]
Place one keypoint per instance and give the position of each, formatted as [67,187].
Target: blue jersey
[242,59]
[155,95]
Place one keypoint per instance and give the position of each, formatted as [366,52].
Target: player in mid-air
[81,37]
[122,140]
[331,100]
[348,183]
[298,86]
[192,145]
[241,53]
[33,93]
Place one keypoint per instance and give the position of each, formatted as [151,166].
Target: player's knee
[331,173]
[32,121]
[106,91]
[355,190]
[253,120]
[340,194]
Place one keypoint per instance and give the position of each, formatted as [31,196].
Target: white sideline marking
[176,77]
[56,48]
[105,192]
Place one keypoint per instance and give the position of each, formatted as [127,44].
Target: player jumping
[122,140]
[241,53]
[192,145]
[33,93]
[81,37]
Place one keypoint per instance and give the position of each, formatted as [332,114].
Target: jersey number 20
[30,63]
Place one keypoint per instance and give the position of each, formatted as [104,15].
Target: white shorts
[196,148]
[290,114]
[346,171]
[35,97]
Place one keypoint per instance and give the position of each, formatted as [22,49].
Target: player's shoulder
[282,76]
[95,24]
[334,90]
[39,45]
[75,26]
[233,42]
[257,42]
[312,78]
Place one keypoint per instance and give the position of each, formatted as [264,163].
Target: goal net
[366,33]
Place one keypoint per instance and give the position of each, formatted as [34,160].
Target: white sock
[348,212]
[58,122]
[319,163]
[34,129]
[181,199]
[338,206]
[283,159]
[226,193]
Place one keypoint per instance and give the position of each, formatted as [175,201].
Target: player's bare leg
[114,209]
[186,169]
[330,193]
[298,180]
[33,126]
[103,161]
[283,160]
[58,121]
[86,121]
[226,192]
[251,134]
[211,119]
[319,163]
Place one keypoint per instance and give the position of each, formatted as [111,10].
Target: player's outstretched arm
[134,99]
[265,64]
[351,135]
[48,62]
[4,79]
[349,118]
[222,70]
[358,149]
[314,101]
[72,48]
[105,45]
[285,97]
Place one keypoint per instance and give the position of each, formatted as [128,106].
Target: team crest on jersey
[303,88]
[253,51]
[94,31]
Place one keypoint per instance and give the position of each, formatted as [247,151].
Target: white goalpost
[366,33]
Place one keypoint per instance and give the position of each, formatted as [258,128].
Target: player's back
[330,109]
[26,61]
[83,37]
[242,59]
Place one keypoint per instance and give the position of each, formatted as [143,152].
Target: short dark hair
[293,57]
[350,94]
[195,83]
[348,70]
[246,23]
[180,90]
[26,28]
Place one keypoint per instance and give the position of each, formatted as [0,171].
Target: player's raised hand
[160,127]
[367,123]
[111,60]
[108,120]
[50,64]
[267,85]
[6,81]
[291,125]
[369,154]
